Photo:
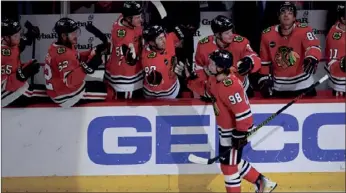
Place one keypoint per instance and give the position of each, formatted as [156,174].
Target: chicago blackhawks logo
[337,35]
[286,57]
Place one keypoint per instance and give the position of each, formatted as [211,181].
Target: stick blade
[198,160]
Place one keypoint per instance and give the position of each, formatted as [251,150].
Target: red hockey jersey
[240,48]
[161,62]
[11,87]
[284,56]
[65,78]
[231,105]
[335,50]
[121,76]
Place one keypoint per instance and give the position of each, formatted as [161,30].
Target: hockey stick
[199,160]
[28,25]
[160,8]
[96,32]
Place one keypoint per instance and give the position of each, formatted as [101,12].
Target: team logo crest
[6,52]
[121,33]
[286,57]
[337,35]
[152,55]
[204,40]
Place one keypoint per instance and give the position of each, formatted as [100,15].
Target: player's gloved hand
[177,67]
[129,53]
[103,48]
[179,32]
[310,65]
[239,139]
[343,64]
[28,71]
[190,70]
[266,84]
[245,65]
[154,78]
[33,31]
[90,66]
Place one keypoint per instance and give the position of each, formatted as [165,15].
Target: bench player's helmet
[150,33]
[131,8]
[65,25]
[288,6]
[221,24]
[223,59]
[9,27]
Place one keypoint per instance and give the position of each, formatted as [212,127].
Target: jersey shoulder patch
[337,35]
[61,50]
[6,52]
[152,55]
[238,38]
[266,30]
[121,33]
[303,25]
[227,82]
[204,40]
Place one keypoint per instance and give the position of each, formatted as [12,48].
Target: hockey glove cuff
[102,48]
[92,64]
[30,70]
[245,65]
[310,65]
[179,32]
[154,78]
[343,64]
[239,139]
[266,86]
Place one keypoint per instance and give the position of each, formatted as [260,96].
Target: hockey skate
[264,185]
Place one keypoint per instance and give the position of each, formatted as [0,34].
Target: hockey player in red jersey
[14,74]
[290,53]
[124,74]
[335,53]
[245,61]
[160,63]
[233,117]
[66,69]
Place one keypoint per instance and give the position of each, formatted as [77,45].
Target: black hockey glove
[239,139]
[310,65]
[154,78]
[33,31]
[343,64]
[30,70]
[93,64]
[266,84]
[179,32]
[190,70]
[245,65]
[129,53]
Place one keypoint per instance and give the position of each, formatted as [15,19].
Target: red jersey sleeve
[198,85]
[311,44]
[248,52]
[199,56]
[235,99]
[84,56]
[264,55]
[70,70]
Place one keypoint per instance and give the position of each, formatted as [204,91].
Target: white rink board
[53,141]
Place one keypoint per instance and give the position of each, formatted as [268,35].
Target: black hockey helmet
[288,6]
[222,58]
[341,11]
[65,25]
[131,8]
[9,27]
[221,24]
[151,32]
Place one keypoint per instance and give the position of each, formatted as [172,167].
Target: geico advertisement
[157,140]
